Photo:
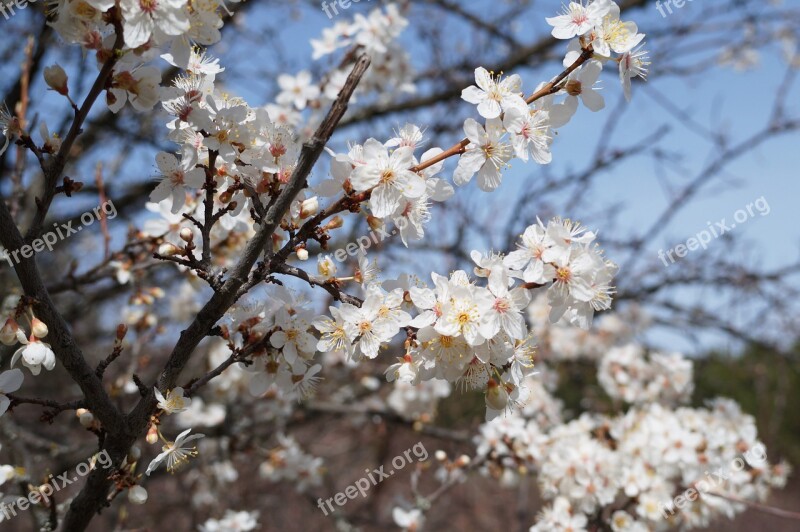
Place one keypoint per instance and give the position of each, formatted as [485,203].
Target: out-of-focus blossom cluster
[623,470]
[239,521]
[288,462]
[376,34]
[626,374]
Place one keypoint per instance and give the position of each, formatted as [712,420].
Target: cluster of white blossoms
[597,24]
[460,331]
[288,462]
[417,402]
[376,33]
[624,470]
[512,127]
[626,374]
[477,330]
[385,170]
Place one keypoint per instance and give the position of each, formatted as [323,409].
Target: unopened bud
[56,79]
[496,396]
[9,333]
[374,223]
[441,455]
[168,250]
[226,196]
[573,87]
[137,495]
[152,434]
[187,235]
[86,419]
[134,454]
[122,330]
[302,254]
[309,207]
[335,223]
[38,328]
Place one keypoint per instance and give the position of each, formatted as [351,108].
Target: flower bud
[134,454]
[137,495]
[335,223]
[187,235]
[122,330]
[573,87]
[496,396]
[157,292]
[302,254]
[152,434]
[309,207]
[8,334]
[38,328]
[86,419]
[440,455]
[374,223]
[168,250]
[56,79]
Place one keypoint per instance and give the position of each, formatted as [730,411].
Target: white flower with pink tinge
[389,175]
[493,96]
[177,176]
[487,154]
[159,19]
[631,65]
[297,90]
[504,309]
[577,19]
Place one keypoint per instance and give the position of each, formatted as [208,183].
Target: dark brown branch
[329,287]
